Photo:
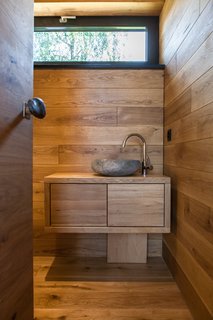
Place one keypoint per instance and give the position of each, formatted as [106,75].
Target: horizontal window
[90,46]
[91,40]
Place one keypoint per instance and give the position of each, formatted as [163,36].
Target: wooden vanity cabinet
[136,205]
[78,205]
[126,208]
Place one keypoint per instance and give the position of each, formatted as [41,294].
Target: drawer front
[78,205]
[136,205]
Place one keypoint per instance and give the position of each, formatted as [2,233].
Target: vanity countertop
[70,177]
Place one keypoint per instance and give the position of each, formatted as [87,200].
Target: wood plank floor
[91,289]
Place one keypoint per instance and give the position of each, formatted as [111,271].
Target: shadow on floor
[97,269]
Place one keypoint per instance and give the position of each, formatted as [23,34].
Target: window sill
[98,65]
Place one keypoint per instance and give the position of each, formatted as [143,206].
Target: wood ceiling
[98,8]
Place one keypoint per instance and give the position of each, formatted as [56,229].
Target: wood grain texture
[127,248]
[68,177]
[98,1]
[70,245]
[83,107]
[200,249]
[16,283]
[194,272]
[196,305]
[198,215]
[78,205]
[88,79]
[83,155]
[45,155]
[138,116]
[105,135]
[188,74]
[179,108]
[189,16]
[170,18]
[43,170]
[105,200]
[195,126]
[152,8]
[200,30]
[47,203]
[136,205]
[188,156]
[116,229]
[63,289]
[171,69]
[97,97]
[62,117]
[199,186]
[202,90]
[154,245]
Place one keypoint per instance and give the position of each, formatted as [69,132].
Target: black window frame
[151,23]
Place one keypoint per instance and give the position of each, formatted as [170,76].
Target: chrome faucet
[144,156]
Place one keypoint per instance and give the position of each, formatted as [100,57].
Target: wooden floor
[67,289]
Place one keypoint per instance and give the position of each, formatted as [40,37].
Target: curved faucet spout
[143,156]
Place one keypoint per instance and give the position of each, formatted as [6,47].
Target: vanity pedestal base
[127,248]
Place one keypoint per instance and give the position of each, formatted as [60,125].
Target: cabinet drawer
[78,205]
[136,205]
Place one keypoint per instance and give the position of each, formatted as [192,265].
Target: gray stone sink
[117,168]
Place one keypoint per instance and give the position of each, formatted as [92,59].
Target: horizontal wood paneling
[189,73]
[179,108]
[197,215]
[70,245]
[189,16]
[188,291]
[200,30]
[45,155]
[83,155]
[194,272]
[188,156]
[105,97]
[95,135]
[139,116]
[202,91]
[134,79]
[89,113]
[199,186]
[91,116]
[171,69]
[198,248]
[195,126]
[152,8]
[170,18]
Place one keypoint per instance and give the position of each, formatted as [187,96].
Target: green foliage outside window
[84,46]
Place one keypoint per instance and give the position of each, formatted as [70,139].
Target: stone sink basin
[117,168]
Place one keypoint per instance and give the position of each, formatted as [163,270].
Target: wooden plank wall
[89,112]
[186,40]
